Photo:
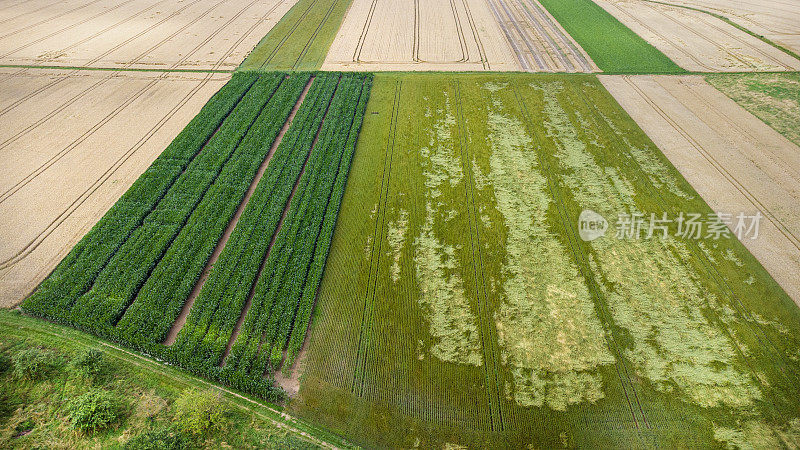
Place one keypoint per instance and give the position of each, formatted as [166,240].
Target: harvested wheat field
[162,34]
[778,21]
[697,41]
[420,35]
[734,161]
[71,144]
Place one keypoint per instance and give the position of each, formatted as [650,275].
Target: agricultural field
[399,224]
[735,161]
[53,123]
[301,39]
[179,266]
[698,41]
[777,21]
[424,333]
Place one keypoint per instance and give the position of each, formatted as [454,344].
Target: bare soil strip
[420,35]
[187,306]
[115,33]
[697,41]
[736,163]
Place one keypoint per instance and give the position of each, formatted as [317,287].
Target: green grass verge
[773,98]
[301,39]
[613,46]
[147,390]
[459,305]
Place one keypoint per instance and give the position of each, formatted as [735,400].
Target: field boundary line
[582,262]
[735,25]
[719,279]
[710,268]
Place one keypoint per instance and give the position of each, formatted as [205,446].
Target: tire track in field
[582,261]
[69,27]
[380,225]
[460,32]
[487,330]
[710,267]
[700,255]
[286,37]
[313,37]
[476,36]
[38,239]
[671,43]
[531,35]
[365,30]
[568,66]
[19,30]
[566,40]
[29,12]
[31,176]
[714,24]
[417,20]
[14,5]
[88,38]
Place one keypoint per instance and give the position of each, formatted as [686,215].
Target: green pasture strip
[76,273]
[111,69]
[772,97]
[735,25]
[456,263]
[147,373]
[301,39]
[161,298]
[611,45]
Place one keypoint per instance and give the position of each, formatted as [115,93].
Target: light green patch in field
[396,235]
[547,328]
[452,323]
[730,256]
[754,434]
[773,98]
[650,290]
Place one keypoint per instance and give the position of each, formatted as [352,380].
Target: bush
[88,363]
[33,363]
[197,412]
[159,439]
[93,411]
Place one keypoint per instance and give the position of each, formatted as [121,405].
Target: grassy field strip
[301,39]
[367,313]
[628,388]
[52,334]
[74,275]
[488,331]
[161,299]
[610,44]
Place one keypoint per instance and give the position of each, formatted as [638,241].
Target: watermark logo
[634,226]
[591,225]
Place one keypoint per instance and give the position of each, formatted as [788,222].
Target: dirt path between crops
[187,306]
[734,161]
[697,41]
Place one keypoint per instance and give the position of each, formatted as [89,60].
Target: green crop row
[148,320]
[118,283]
[76,273]
[301,244]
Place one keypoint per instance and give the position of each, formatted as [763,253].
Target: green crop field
[460,306]
[612,45]
[130,277]
[301,39]
[772,97]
